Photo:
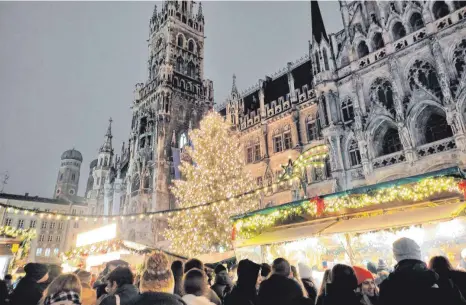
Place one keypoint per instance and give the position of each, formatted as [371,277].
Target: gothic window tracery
[423,73]
[354,154]
[440,9]
[180,41]
[398,31]
[459,4]
[191,69]
[416,21]
[381,91]
[459,56]
[317,61]
[377,41]
[363,50]
[135,184]
[347,110]
[179,64]
[437,128]
[391,142]
[191,46]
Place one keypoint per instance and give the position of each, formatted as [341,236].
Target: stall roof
[398,218]
[287,234]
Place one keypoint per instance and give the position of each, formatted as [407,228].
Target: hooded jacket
[244,293]
[222,284]
[192,299]
[412,283]
[159,298]
[128,295]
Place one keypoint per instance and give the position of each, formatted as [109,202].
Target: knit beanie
[84,277]
[157,275]
[371,267]
[406,248]
[35,271]
[304,271]
[362,274]
[382,266]
[220,268]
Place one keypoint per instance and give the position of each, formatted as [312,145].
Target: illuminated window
[56,251]
[39,252]
[47,252]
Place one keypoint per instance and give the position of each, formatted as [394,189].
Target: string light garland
[21,234]
[312,157]
[249,226]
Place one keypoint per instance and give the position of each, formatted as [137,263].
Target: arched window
[317,62]
[324,54]
[437,128]
[459,56]
[179,64]
[347,110]
[191,46]
[377,41]
[180,41]
[182,83]
[183,18]
[175,82]
[440,9]
[416,21]
[184,6]
[354,154]
[382,91]
[398,31]
[191,69]
[391,142]
[363,50]
[190,23]
[312,128]
[423,73]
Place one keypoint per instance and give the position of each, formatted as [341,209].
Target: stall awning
[212,258]
[287,234]
[394,219]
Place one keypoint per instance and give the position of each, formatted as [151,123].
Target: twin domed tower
[68,174]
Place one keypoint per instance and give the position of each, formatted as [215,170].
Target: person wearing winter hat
[372,267]
[382,272]
[29,290]
[195,288]
[88,295]
[157,282]
[177,270]
[411,282]
[194,263]
[223,284]
[367,291]
[306,278]
[244,292]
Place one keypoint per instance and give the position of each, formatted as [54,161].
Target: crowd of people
[410,282]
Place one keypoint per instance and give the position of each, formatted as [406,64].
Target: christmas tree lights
[216,174]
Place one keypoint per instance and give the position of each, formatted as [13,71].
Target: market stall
[97,247]
[360,225]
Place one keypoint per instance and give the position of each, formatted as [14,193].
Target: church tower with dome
[68,174]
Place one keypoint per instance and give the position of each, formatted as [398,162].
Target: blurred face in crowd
[111,287]
[368,287]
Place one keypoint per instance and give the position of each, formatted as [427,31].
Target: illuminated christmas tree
[216,174]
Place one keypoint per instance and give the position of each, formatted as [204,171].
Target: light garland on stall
[21,234]
[312,157]
[251,225]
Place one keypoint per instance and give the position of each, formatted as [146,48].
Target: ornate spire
[318,27]
[234,89]
[107,146]
[200,16]
[154,15]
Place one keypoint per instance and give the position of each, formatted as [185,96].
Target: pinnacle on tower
[200,16]
[107,146]
[318,27]
[154,14]
[234,90]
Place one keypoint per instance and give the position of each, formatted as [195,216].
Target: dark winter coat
[335,295]
[128,295]
[222,284]
[412,283]
[311,289]
[4,296]
[27,292]
[280,290]
[459,279]
[244,292]
[159,298]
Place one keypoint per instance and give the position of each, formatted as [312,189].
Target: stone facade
[386,94]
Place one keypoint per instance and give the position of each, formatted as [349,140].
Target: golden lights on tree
[216,173]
